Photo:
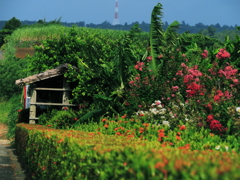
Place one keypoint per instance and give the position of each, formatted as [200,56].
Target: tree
[12,24]
[211,30]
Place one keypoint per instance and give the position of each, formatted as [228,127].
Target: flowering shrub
[194,92]
[222,54]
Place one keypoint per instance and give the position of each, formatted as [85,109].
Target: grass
[5,107]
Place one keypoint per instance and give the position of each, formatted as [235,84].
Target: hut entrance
[49,88]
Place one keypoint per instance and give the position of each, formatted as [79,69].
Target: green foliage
[12,24]
[3,34]
[156,36]
[63,119]
[211,31]
[13,112]
[11,69]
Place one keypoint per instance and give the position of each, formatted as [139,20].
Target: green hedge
[57,154]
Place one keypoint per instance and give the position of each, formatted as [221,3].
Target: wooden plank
[36,118]
[32,112]
[53,89]
[52,104]
[66,94]
[31,121]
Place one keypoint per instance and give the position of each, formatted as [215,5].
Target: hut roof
[42,76]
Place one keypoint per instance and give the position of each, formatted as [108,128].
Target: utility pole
[116,20]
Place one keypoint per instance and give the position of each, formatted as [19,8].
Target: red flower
[65,108]
[106,126]
[210,118]
[217,98]
[104,120]
[183,127]
[178,138]
[124,116]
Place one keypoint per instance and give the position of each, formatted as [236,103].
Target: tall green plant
[156,35]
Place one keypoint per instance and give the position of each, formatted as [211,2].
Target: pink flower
[235,81]
[228,72]
[131,82]
[227,94]
[222,54]
[175,88]
[183,65]
[149,58]
[179,73]
[139,65]
[194,71]
[205,54]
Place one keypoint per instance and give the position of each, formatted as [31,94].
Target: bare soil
[23,52]
[3,131]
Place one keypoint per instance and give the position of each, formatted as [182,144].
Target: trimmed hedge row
[73,155]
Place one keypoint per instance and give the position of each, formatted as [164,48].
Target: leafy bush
[63,119]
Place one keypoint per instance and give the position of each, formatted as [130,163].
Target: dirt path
[1,55]
[3,131]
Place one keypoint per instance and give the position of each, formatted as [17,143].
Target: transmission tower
[116,20]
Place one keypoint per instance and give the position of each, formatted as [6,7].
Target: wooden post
[66,93]
[32,113]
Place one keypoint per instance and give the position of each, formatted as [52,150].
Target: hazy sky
[224,12]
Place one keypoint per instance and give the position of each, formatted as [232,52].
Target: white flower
[162,117]
[181,104]
[162,111]
[159,106]
[186,119]
[154,111]
[157,102]
[238,109]
[171,114]
[226,147]
[140,112]
[217,147]
[166,123]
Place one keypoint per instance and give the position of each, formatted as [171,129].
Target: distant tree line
[215,31]
[199,27]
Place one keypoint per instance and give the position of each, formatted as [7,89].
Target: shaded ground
[10,166]
[20,52]
[23,52]
[3,131]
[1,54]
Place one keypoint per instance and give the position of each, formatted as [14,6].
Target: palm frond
[170,35]
[156,36]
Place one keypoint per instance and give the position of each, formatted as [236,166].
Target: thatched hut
[49,88]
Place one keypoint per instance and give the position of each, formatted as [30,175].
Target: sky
[224,12]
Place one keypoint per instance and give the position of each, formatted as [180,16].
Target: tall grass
[12,107]
[5,107]
[38,34]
